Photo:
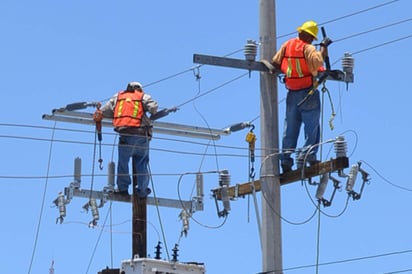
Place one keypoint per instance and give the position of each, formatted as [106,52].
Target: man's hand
[326,42]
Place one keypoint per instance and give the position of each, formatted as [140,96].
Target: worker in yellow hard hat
[310,27]
[300,62]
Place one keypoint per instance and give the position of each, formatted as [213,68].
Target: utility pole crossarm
[230,62]
[263,66]
[243,189]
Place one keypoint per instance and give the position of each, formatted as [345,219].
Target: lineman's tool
[251,139]
[326,42]
[98,117]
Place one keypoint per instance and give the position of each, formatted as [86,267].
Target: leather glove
[326,42]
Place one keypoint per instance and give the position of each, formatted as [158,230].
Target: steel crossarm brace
[240,190]
[113,196]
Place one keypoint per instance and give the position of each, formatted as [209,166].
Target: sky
[59,52]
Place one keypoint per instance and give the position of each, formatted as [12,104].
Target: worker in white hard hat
[300,62]
[128,110]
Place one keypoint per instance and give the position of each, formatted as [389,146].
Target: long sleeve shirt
[149,105]
[313,57]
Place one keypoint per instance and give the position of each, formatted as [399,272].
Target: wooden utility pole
[269,177]
[139,226]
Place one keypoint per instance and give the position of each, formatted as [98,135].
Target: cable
[186,209]
[214,89]
[384,179]
[269,203]
[42,203]
[341,261]
[399,271]
[172,76]
[372,30]
[197,76]
[383,44]
[158,213]
[97,243]
[346,16]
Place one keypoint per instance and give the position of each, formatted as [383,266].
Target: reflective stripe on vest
[295,67]
[128,111]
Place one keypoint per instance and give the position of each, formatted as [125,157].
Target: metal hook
[100,163]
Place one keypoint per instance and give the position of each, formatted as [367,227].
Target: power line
[42,206]
[372,30]
[213,89]
[395,253]
[383,44]
[346,16]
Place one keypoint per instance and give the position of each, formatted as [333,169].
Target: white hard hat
[134,85]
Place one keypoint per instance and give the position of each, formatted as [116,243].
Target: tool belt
[142,131]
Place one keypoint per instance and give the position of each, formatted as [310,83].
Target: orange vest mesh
[128,111]
[295,67]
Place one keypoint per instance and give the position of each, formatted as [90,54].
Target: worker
[128,110]
[300,62]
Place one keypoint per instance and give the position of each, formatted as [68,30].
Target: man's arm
[108,108]
[150,105]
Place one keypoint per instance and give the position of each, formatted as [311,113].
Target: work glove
[162,113]
[326,42]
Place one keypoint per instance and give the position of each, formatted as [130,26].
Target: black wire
[371,30]
[42,203]
[345,16]
[341,261]
[213,89]
[97,242]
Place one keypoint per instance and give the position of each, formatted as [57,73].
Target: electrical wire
[158,213]
[345,16]
[269,203]
[188,210]
[42,204]
[213,89]
[384,179]
[197,76]
[357,52]
[97,242]
[372,30]
[341,261]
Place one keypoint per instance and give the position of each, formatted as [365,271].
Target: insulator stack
[224,182]
[224,178]
[199,184]
[77,170]
[348,63]
[175,253]
[60,202]
[340,147]
[250,50]
[322,186]
[110,177]
[158,252]
[93,208]
[353,173]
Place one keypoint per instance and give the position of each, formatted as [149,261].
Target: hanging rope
[325,90]
[98,117]
[251,139]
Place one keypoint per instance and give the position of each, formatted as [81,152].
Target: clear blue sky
[59,52]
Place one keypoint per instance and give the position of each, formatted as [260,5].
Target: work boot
[123,193]
[286,168]
[144,193]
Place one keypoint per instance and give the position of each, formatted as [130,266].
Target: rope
[43,200]
[158,213]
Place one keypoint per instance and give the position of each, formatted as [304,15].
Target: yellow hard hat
[310,27]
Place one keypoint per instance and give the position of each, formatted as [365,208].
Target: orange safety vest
[128,111]
[295,67]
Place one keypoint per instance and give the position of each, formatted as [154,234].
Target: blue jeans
[308,114]
[137,148]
